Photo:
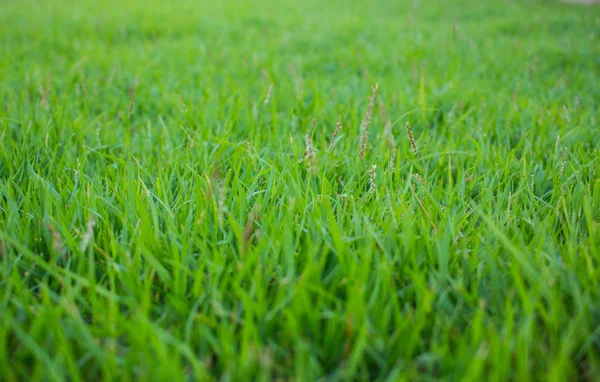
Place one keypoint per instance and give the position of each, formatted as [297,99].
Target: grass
[172,205]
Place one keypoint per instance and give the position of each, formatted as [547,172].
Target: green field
[215,191]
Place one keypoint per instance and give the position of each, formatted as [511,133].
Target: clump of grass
[231,258]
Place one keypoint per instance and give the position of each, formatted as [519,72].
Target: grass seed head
[387,132]
[251,152]
[392,163]
[454,27]
[364,136]
[269,92]
[43,99]
[411,138]
[309,153]
[88,235]
[57,241]
[372,176]
[132,102]
[338,127]
[221,207]
[249,228]
[515,93]
[182,106]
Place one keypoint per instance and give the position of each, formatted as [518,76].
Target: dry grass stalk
[57,241]
[338,127]
[392,163]
[372,176]
[182,105]
[269,92]
[249,229]
[364,136]
[251,153]
[348,334]
[413,71]
[83,88]
[424,209]
[454,28]
[387,132]
[309,153]
[411,138]
[88,235]
[420,179]
[563,161]
[43,99]
[297,80]
[221,208]
[390,207]
[132,103]
[111,76]
[264,74]
[561,171]
[567,113]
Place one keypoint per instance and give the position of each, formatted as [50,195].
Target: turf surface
[173,204]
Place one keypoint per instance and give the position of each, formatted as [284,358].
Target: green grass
[158,221]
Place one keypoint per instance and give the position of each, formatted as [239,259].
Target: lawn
[299,190]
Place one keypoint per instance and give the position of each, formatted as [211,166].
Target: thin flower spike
[269,92]
[43,100]
[182,106]
[309,153]
[338,127]
[411,138]
[88,235]
[57,241]
[372,176]
[132,103]
[392,163]
[364,136]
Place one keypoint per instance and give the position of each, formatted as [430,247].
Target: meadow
[299,190]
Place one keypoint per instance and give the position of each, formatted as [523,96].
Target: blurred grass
[157,220]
